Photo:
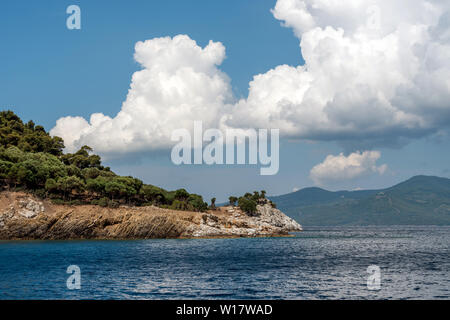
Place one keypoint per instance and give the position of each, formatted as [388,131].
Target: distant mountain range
[421,200]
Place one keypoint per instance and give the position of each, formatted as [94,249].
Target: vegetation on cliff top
[31,159]
[248,201]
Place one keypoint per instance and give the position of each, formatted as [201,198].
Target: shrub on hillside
[247,205]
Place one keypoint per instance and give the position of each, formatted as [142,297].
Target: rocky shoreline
[24,217]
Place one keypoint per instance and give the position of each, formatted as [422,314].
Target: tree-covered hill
[421,200]
[32,160]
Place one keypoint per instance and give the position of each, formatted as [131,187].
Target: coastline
[24,217]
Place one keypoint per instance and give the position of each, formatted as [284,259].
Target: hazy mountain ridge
[418,200]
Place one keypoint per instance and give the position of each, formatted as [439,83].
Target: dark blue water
[319,263]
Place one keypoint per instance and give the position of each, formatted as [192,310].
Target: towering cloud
[179,83]
[375,73]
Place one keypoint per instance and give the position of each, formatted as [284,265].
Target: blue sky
[48,72]
[68,72]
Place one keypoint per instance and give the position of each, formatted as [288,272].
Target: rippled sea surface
[319,263]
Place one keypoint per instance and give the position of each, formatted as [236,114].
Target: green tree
[69,184]
[255,196]
[213,203]
[28,137]
[97,185]
[20,174]
[247,205]
[114,189]
[90,173]
[5,166]
[196,203]
[152,194]
[51,186]
[232,200]
[181,194]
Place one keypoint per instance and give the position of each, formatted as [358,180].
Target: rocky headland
[23,216]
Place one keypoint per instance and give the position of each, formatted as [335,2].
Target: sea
[375,262]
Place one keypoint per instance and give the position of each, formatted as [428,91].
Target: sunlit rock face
[22,216]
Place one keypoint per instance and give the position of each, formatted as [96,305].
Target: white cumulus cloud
[179,83]
[375,73]
[343,168]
